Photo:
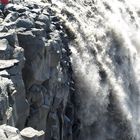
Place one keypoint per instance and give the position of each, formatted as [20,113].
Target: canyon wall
[69,70]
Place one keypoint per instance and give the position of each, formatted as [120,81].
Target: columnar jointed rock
[12,95]
[41,100]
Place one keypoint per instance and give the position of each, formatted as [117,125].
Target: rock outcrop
[70,70]
[35,74]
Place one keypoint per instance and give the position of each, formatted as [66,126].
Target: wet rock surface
[35,75]
[89,93]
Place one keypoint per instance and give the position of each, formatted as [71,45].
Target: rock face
[35,75]
[70,70]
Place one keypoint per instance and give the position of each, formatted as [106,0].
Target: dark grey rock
[39,32]
[37,11]
[55,18]
[25,23]
[33,15]
[10,25]
[3,29]
[44,18]
[40,25]
[21,9]
[36,97]
[34,47]
[5,50]
[9,7]
[11,17]
[34,78]
[10,36]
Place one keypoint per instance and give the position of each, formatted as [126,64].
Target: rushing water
[106,64]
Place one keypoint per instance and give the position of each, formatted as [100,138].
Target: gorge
[70,70]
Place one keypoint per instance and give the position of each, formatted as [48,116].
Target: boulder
[32,134]
[9,133]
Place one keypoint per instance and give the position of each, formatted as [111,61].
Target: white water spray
[106,63]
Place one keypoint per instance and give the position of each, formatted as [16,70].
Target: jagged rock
[12,84]
[35,76]
[9,133]
[45,11]
[40,25]
[5,49]
[4,64]
[20,8]
[30,43]
[11,17]
[9,7]
[39,32]
[25,23]
[29,5]
[31,134]
[44,18]
[54,50]
[38,109]
[3,100]
[36,98]
[15,90]
[55,19]
[3,29]
[53,126]
[67,128]
[4,73]
[10,36]
[36,64]
[37,11]
[33,15]
[10,25]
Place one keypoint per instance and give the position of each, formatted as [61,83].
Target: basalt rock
[35,75]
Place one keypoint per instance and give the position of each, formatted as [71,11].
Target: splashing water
[106,64]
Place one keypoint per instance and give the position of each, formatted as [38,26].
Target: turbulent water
[106,64]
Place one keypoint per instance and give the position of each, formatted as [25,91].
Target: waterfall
[70,70]
[106,64]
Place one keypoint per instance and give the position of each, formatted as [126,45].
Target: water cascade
[70,69]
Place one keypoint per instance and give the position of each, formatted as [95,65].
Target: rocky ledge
[36,83]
